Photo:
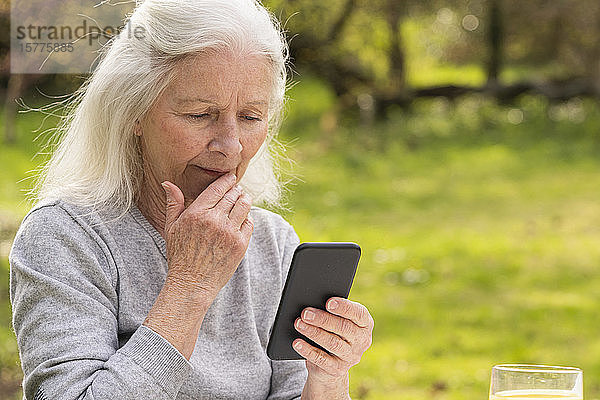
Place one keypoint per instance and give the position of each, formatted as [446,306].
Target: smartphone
[318,271]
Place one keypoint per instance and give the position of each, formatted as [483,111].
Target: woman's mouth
[213,172]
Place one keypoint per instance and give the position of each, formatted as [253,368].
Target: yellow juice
[535,394]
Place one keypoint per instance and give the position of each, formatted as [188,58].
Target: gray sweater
[81,284]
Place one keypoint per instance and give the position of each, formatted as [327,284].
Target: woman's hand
[345,330]
[207,241]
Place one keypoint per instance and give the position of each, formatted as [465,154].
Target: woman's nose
[226,139]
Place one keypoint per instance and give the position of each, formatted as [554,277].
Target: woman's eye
[250,118]
[199,116]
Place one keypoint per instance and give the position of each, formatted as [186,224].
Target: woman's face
[210,120]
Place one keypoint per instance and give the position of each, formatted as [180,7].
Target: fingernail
[309,315]
[332,305]
[298,345]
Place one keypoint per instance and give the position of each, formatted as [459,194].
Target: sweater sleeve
[63,289]
[288,376]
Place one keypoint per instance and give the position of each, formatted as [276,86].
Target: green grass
[479,236]
[480,240]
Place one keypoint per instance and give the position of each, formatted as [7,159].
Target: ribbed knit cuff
[158,358]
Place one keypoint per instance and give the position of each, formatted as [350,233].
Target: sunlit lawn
[480,241]
[480,237]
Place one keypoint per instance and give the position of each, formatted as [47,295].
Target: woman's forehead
[225,66]
[208,77]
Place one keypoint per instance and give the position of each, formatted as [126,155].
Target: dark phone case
[318,271]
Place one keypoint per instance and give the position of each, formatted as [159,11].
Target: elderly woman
[143,272]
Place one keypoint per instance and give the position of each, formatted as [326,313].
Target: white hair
[97,161]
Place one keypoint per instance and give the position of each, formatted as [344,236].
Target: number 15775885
[46,47]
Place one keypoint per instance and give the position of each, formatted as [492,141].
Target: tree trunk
[494,37]
[396,56]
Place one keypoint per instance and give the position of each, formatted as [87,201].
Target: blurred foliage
[558,37]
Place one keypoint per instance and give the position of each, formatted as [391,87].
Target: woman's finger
[175,203]
[327,362]
[351,310]
[340,326]
[331,342]
[227,202]
[247,228]
[240,210]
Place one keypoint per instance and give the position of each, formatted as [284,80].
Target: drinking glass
[524,381]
